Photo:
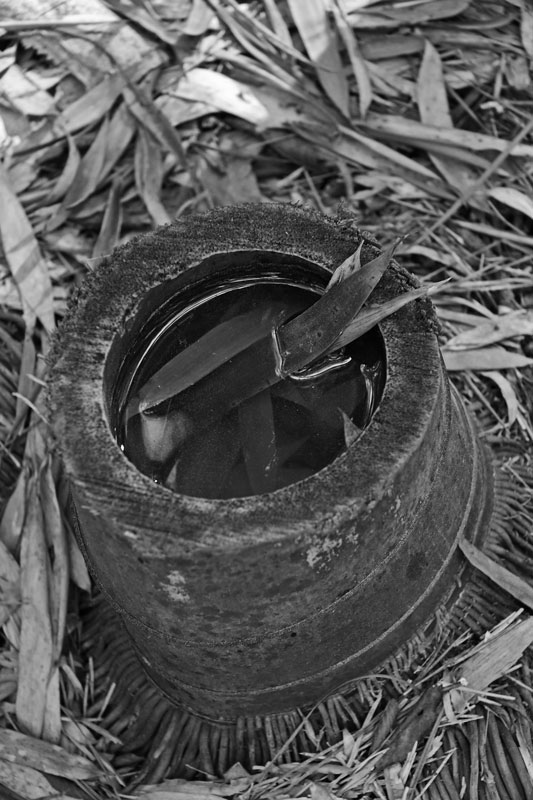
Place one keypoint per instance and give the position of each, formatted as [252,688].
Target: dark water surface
[274,438]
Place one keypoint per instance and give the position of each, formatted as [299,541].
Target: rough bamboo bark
[263,604]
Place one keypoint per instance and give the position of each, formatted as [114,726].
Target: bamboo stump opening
[240,608]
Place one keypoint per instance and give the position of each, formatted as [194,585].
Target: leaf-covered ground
[413,118]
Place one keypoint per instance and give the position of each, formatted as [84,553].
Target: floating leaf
[349,266]
[318,329]
[207,459]
[258,436]
[209,352]
[352,432]
[371,316]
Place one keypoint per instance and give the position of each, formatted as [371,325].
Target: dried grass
[116,117]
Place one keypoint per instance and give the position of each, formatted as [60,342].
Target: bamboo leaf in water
[258,436]
[210,351]
[348,267]
[366,320]
[317,330]
[257,353]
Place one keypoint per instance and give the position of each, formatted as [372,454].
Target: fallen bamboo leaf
[109,233]
[57,544]
[513,198]
[322,47]
[28,751]
[24,94]
[391,155]
[526,27]
[493,659]
[357,61]
[66,179]
[122,128]
[27,368]
[148,163]
[277,22]
[400,128]
[417,724]
[88,57]
[143,108]
[321,792]
[89,170]
[145,19]
[503,577]
[483,359]
[232,179]
[497,329]
[194,792]
[91,107]
[12,521]
[417,13]
[199,18]
[36,646]
[10,595]
[52,727]
[221,92]
[508,394]
[78,568]
[26,264]
[28,783]
[433,106]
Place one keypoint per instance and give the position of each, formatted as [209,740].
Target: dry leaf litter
[116,116]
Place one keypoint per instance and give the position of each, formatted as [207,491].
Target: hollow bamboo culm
[264,604]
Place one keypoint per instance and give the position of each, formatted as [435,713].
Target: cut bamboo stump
[243,608]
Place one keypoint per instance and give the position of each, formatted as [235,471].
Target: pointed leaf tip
[344,270]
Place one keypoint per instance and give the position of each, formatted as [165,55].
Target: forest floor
[415,119]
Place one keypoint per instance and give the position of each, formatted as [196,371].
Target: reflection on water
[276,437]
